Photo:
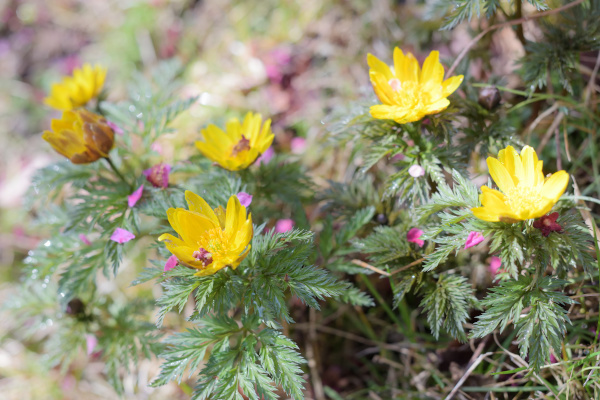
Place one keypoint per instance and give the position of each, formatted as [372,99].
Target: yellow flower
[209,240]
[81,136]
[408,93]
[526,194]
[75,91]
[240,145]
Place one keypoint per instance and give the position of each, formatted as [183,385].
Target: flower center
[242,145]
[212,245]
[521,198]
[203,256]
[395,84]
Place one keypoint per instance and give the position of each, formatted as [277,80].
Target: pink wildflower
[284,225]
[495,264]
[266,156]
[416,171]
[134,197]
[473,239]
[158,175]
[121,235]
[298,145]
[547,224]
[171,263]
[413,236]
[116,129]
[245,198]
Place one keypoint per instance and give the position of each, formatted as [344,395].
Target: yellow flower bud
[81,136]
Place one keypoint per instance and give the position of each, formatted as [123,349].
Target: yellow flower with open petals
[81,136]
[525,192]
[209,240]
[241,143]
[409,93]
[75,91]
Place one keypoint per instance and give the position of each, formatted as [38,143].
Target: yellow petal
[406,66]
[485,214]
[529,160]
[437,106]
[382,87]
[167,237]
[555,186]
[214,135]
[450,85]
[432,71]
[495,203]
[173,221]
[513,164]
[199,205]
[539,211]
[214,267]
[538,172]
[209,151]
[500,175]
[379,67]
[192,226]
[237,262]
[244,234]
[235,214]
[398,114]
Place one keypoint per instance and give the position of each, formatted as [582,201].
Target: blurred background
[294,61]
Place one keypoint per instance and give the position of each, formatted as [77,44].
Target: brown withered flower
[81,136]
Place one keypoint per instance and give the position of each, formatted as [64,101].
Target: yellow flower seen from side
[75,91]
[239,145]
[209,240]
[409,93]
[524,191]
[81,136]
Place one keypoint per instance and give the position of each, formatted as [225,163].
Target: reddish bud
[548,224]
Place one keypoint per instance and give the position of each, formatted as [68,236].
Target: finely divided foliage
[409,224]
[276,267]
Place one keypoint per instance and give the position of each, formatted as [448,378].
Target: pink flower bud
[134,197]
[121,235]
[495,264]
[284,225]
[413,236]
[473,239]
[158,175]
[245,198]
[547,224]
[416,171]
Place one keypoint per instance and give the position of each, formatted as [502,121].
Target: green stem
[119,174]
[380,299]
[519,15]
